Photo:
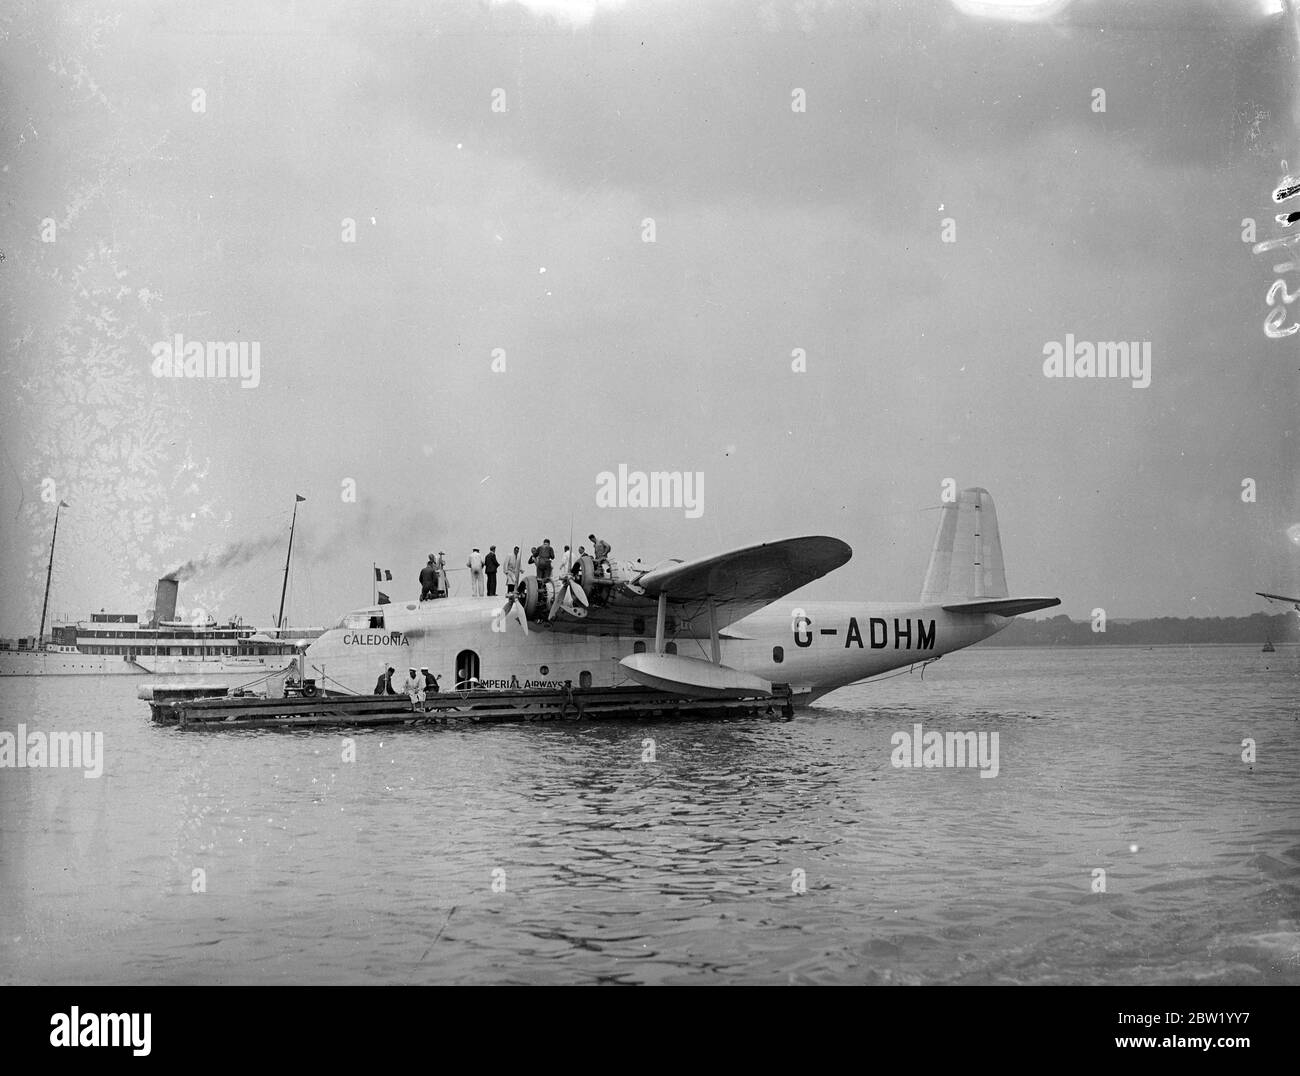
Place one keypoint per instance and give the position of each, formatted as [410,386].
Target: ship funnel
[164,605]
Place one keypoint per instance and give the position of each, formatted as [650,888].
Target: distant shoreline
[1282,629]
[988,644]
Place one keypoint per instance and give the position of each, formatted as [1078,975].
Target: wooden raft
[571,704]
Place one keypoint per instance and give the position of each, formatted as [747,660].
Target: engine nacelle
[598,586]
[537,597]
[532,596]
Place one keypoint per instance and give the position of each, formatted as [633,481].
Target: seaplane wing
[738,582]
[748,578]
[1280,598]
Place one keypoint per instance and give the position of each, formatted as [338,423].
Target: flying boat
[719,626]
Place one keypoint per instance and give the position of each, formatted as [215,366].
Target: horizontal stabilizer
[1002,606]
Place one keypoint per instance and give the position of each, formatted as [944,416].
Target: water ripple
[1124,840]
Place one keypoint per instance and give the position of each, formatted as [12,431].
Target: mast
[40,636]
[279,620]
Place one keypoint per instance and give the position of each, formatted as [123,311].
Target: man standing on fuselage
[512,571]
[545,554]
[429,580]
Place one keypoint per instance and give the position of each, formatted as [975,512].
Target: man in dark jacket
[545,554]
[384,685]
[429,580]
[430,682]
[490,566]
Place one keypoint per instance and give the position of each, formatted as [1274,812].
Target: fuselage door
[466,667]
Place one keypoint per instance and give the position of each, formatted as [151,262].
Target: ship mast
[40,636]
[279,620]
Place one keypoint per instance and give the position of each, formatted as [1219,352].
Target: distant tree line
[1062,631]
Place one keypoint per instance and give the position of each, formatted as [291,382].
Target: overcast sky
[501,161]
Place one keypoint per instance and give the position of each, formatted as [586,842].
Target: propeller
[510,611]
[509,607]
[569,588]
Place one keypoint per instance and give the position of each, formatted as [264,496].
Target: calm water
[381,870]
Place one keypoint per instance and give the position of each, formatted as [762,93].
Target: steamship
[171,650]
[119,644]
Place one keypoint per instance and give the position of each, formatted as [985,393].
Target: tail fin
[966,562]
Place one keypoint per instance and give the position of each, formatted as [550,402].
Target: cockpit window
[366,618]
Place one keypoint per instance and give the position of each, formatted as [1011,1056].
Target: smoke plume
[361,524]
[232,555]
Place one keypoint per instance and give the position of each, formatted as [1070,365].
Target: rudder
[966,561]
